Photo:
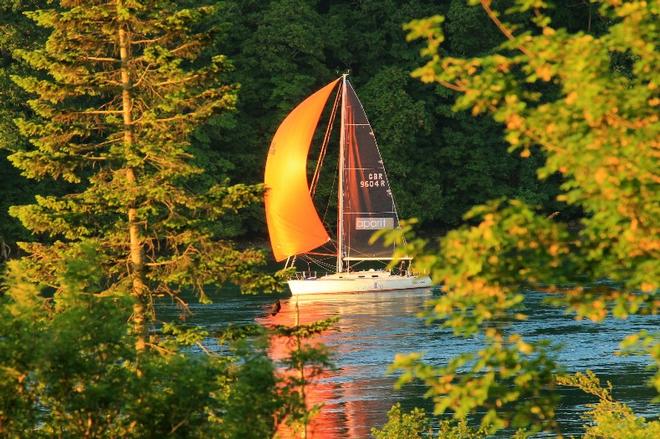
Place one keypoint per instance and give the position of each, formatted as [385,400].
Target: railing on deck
[302,275]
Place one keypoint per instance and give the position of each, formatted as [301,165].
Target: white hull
[357,282]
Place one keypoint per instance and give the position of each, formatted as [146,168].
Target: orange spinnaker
[294,225]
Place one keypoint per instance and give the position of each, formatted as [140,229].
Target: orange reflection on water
[325,423]
[345,411]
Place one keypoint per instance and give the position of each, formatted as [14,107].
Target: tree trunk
[139,290]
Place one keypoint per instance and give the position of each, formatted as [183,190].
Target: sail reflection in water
[357,395]
[374,327]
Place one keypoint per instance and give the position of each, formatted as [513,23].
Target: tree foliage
[608,417]
[69,368]
[588,104]
[282,50]
[417,425]
[412,425]
[15,32]
[133,137]
[120,88]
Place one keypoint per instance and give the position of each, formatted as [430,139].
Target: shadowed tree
[16,32]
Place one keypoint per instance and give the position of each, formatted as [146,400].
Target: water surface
[373,327]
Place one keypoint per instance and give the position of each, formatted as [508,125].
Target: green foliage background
[441,163]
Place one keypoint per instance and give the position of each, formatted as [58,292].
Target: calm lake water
[373,327]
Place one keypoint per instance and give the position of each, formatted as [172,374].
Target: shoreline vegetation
[133,135]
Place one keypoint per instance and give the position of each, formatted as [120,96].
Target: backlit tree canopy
[589,103]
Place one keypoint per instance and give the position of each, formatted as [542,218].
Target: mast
[340,201]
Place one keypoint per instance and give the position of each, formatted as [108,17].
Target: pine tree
[15,32]
[120,87]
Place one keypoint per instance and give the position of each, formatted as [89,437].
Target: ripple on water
[374,327]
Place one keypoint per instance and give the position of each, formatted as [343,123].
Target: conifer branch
[149,40]
[189,249]
[99,112]
[168,119]
[179,81]
[143,75]
[102,59]
[185,46]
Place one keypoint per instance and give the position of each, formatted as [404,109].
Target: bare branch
[100,112]
[451,86]
[185,46]
[102,59]
[180,81]
[146,70]
[485,4]
[149,40]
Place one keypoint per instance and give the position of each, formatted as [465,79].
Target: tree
[416,425]
[120,87]
[283,50]
[589,104]
[16,32]
[68,367]
[278,49]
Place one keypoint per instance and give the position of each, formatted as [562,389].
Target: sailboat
[365,203]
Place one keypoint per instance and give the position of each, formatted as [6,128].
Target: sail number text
[374,179]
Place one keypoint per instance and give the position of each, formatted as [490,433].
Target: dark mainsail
[368,201]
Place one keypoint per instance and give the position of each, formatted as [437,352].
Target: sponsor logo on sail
[374,223]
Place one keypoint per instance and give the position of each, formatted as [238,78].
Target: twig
[485,4]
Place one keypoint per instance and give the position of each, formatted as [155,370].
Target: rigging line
[330,255]
[375,212]
[330,194]
[357,263]
[324,146]
[357,254]
[325,265]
